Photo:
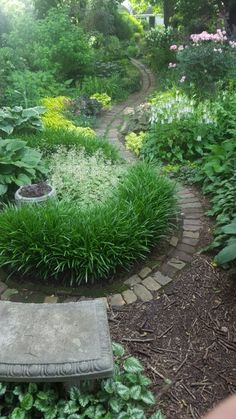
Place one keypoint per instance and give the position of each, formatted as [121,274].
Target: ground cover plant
[77,245]
[124,395]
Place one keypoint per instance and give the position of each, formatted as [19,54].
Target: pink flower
[173,47]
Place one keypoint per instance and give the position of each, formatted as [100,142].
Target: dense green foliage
[77,245]
[50,139]
[124,395]
[19,164]
[17,119]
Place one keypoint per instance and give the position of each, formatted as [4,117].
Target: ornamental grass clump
[74,245]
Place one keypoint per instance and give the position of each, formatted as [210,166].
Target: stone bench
[54,342]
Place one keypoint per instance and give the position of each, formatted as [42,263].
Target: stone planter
[21,199]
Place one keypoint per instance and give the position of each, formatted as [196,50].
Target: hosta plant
[124,396]
[19,164]
[228,254]
[18,119]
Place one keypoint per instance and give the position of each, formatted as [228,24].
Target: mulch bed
[186,338]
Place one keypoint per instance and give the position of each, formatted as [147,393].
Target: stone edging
[146,285]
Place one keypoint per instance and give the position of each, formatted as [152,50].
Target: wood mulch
[186,338]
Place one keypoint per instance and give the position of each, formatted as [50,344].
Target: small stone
[188,240]
[51,299]
[151,284]
[191,205]
[174,241]
[3,287]
[193,222]
[188,200]
[188,217]
[116,300]
[145,272]
[224,329]
[191,234]
[182,256]
[129,296]
[190,227]
[186,248]
[176,263]
[8,293]
[161,279]
[186,195]
[142,293]
[133,280]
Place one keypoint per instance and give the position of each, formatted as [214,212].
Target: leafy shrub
[86,180]
[103,98]
[156,47]
[206,62]
[56,116]
[228,254]
[50,139]
[134,142]
[217,175]
[124,395]
[27,87]
[52,44]
[126,26]
[19,164]
[78,245]
[18,119]
[180,128]
[85,105]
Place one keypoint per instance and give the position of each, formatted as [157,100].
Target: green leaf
[116,404]
[133,378]
[123,391]
[226,255]
[3,189]
[136,413]
[133,365]
[118,350]
[147,397]
[144,381]
[27,401]
[32,388]
[135,392]
[3,389]
[157,415]
[109,386]
[18,413]
[230,228]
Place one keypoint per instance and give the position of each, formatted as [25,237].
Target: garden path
[160,271]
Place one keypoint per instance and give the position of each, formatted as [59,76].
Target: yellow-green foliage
[134,142]
[103,98]
[54,117]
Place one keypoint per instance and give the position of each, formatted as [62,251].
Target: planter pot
[23,200]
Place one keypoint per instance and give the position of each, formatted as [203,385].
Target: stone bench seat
[54,342]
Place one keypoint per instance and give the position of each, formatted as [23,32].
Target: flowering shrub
[157,45]
[180,128]
[206,61]
[134,142]
[87,180]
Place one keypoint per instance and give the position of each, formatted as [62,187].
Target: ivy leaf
[123,415]
[27,401]
[117,349]
[136,413]
[147,397]
[116,404]
[18,413]
[144,381]
[109,386]
[123,391]
[133,378]
[132,365]
[157,415]
[3,389]
[135,392]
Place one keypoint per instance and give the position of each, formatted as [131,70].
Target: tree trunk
[168,6]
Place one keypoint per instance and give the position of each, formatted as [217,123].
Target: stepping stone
[191,205]
[142,293]
[190,227]
[161,279]
[151,284]
[129,296]
[191,234]
[186,248]
[174,241]
[51,299]
[176,263]
[8,293]
[116,300]
[145,272]
[133,280]
[54,342]
[178,254]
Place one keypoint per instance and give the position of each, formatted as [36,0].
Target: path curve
[146,284]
